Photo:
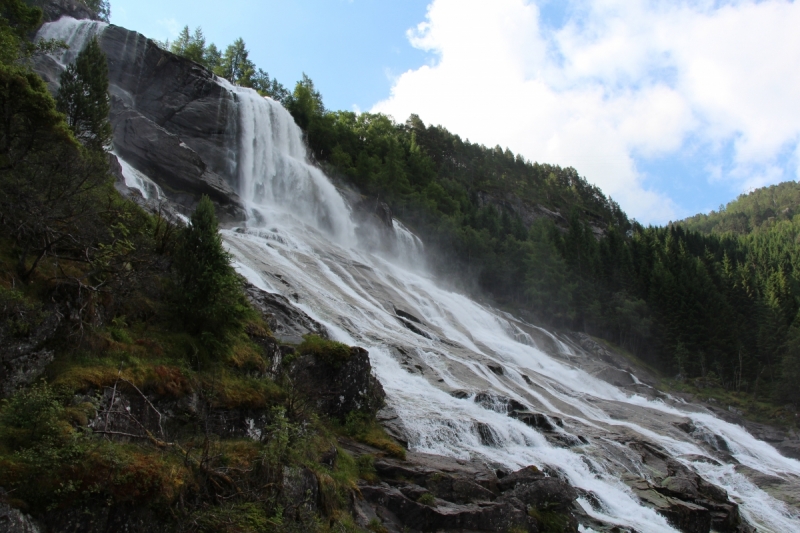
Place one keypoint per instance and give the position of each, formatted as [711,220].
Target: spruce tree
[207,292]
[236,66]
[83,97]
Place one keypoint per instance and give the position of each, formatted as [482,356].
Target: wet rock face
[171,118]
[288,323]
[689,502]
[432,493]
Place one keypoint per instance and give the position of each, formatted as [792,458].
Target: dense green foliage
[207,293]
[756,211]
[83,97]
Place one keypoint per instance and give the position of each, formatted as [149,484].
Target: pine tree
[207,292]
[83,97]
[191,46]
[236,66]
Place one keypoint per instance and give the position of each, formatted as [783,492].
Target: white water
[355,294]
[301,240]
[75,33]
[135,179]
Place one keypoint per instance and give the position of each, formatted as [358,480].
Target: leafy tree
[17,20]
[83,97]
[190,46]
[305,104]
[207,292]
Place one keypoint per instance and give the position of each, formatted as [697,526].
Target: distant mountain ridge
[750,212]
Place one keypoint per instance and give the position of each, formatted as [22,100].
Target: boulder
[339,390]
[686,516]
[537,420]
[393,425]
[496,402]
[525,476]
[443,515]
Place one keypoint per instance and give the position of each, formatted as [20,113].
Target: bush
[427,499]
[18,316]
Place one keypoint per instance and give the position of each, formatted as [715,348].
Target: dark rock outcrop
[23,360]
[172,120]
[432,493]
[55,9]
[288,323]
[13,520]
[689,502]
[336,390]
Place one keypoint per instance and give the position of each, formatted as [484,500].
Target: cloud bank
[614,84]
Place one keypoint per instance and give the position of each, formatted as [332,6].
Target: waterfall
[355,294]
[274,173]
[75,33]
[302,241]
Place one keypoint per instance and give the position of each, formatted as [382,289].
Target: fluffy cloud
[620,81]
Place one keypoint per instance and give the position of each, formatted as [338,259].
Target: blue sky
[351,49]
[671,107]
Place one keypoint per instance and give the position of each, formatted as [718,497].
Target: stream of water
[301,241]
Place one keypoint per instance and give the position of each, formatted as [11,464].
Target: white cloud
[621,80]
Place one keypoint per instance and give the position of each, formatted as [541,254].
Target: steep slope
[462,379]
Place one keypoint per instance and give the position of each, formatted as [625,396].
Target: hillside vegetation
[757,211]
[154,358]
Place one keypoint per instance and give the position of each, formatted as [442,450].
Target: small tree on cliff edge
[207,292]
[83,97]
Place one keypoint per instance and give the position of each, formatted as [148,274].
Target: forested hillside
[759,210]
[715,297]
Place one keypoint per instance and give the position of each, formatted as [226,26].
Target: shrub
[18,316]
[427,499]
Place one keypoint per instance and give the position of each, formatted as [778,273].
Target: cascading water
[356,294]
[301,241]
[74,33]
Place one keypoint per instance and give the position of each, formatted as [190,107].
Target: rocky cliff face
[55,9]
[173,120]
